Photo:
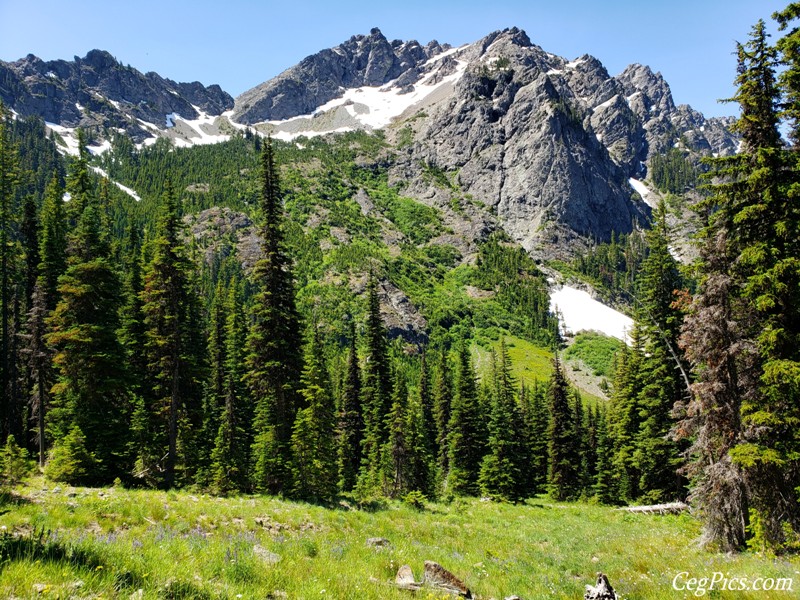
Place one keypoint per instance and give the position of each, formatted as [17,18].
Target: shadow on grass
[42,546]
[9,499]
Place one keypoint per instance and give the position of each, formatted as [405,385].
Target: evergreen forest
[230,329]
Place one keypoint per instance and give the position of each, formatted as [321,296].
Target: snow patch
[366,107]
[646,193]
[124,188]
[68,135]
[605,104]
[575,63]
[103,147]
[578,311]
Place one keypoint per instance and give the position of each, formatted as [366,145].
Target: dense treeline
[613,266]
[672,172]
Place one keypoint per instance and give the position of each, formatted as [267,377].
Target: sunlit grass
[113,542]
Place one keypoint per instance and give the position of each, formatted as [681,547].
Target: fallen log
[671,508]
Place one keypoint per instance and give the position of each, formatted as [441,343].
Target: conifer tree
[656,457]
[229,458]
[29,237]
[351,419]
[580,443]
[421,469]
[396,451]
[712,338]
[744,411]
[313,434]
[466,438]
[535,416]
[39,359]
[604,488]
[214,390]
[173,349]
[442,401]
[79,184]
[9,174]
[91,400]
[376,391]
[563,472]
[132,332]
[501,474]
[624,415]
[274,343]
[428,421]
[52,241]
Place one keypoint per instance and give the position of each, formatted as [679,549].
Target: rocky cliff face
[363,60]
[496,133]
[97,92]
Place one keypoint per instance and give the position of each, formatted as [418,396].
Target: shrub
[69,460]
[14,462]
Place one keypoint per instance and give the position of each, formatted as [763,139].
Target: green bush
[69,460]
[13,462]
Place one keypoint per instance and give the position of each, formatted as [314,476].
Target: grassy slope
[121,541]
[529,363]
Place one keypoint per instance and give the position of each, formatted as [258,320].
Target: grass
[104,543]
[529,363]
[595,350]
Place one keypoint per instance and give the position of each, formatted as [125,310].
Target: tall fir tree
[133,333]
[229,458]
[9,175]
[90,397]
[39,358]
[663,370]
[174,352]
[442,402]
[467,431]
[604,488]
[750,280]
[501,474]
[214,389]
[376,392]
[396,460]
[624,415]
[563,460]
[274,344]
[351,419]
[52,241]
[313,434]
[535,416]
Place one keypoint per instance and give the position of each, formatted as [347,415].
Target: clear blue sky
[240,43]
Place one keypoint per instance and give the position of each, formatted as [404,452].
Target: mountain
[98,93]
[498,133]
[553,149]
[361,61]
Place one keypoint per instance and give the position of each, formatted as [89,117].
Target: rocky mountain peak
[98,93]
[655,91]
[363,60]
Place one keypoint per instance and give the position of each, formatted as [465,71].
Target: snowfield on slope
[368,107]
[578,311]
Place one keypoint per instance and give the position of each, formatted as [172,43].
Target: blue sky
[240,43]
